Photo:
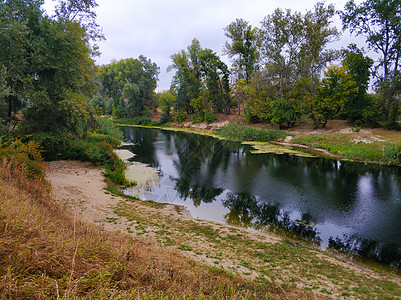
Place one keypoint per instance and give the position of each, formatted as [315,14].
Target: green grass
[241,133]
[344,146]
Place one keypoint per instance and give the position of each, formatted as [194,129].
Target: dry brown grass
[47,252]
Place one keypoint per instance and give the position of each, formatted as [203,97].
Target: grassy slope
[47,252]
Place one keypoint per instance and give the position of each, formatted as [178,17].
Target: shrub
[180,116]
[210,117]
[99,137]
[197,118]
[165,118]
[107,127]
[238,133]
[26,155]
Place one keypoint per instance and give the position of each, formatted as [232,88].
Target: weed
[240,133]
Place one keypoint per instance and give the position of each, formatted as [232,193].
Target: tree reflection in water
[349,207]
[246,211]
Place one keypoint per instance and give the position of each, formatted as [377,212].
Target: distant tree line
[51,89]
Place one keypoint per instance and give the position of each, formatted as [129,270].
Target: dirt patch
[81,187]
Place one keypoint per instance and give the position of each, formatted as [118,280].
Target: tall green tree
[336,90]
[48,73]
[242,49]
[380,22]
[18,19]
[131,83]
[294,46]
[200,76]
[215,75]
[358,67]
[186,83]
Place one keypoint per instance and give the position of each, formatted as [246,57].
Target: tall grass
[238,133]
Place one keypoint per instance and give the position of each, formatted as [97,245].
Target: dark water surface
[344,206]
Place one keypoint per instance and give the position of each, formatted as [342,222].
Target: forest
[52,92]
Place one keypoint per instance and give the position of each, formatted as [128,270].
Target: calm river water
[348,207]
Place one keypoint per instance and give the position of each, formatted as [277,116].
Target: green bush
[180,116]
[165,118]
[99,137]
[107,127]
[238,133]
[197,118]
[210,117]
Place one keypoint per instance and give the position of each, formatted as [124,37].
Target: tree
[197,70]
[166,102]
[281,35]
[336,90]
[358,67]
[82,12]
[16,21]
[48,71]
[318,34]
[215,75]
[380,22]
[283,111]
[242,51]
[131,83]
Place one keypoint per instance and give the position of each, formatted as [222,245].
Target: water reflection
[345,206]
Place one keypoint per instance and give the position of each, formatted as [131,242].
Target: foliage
[283,112]
[238,133]
[180,116]
[210,117]
[380,23]
[215,76]
[336,90]
[102,105]
[131,84]
[294,50]
[358,67]
[98,137]
[186,82]
[166,102]
[293,46]
[243,50]
[24,155]
[107,127]
[200,71]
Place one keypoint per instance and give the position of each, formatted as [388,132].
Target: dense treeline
[287,69]
[51,89]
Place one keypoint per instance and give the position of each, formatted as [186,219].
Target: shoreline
[251,255]
[304,149]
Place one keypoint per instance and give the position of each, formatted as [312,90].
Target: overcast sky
[159,28]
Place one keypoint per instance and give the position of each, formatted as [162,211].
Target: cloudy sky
[159,28]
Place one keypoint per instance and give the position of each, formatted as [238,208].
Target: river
[348,207]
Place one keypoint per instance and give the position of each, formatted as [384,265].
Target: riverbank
[338,140]
[298,271]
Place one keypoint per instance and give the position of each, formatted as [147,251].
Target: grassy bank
[348,147]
